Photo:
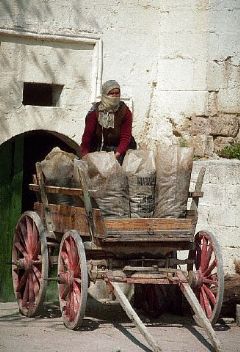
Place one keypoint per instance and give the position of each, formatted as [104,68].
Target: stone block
[224,125]
[199,125]
[227,218]
[175,74]
[221,142]
[228,44]
[196,48]
[184,103]
[212,104]
[216,78]
[184,20]
[203,145]
[229,254]
[200,73]
[214,194]
[224,21]
[228,100]
[229,237]
[237,139]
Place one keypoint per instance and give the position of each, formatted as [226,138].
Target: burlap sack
[109,182]
[139,166]
[58,169]
[173,167]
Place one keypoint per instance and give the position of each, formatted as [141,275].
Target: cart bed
[65,217]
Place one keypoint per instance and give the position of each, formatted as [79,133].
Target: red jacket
[91,125]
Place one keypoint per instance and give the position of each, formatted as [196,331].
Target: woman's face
[115,92]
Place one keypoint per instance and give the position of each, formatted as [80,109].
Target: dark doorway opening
[37,145]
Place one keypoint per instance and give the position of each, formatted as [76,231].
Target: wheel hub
[195,278]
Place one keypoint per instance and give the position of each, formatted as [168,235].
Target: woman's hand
[117,155]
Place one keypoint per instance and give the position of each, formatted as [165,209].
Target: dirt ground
[106,328]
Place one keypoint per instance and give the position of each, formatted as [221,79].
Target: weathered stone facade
[177,63]
[219,207]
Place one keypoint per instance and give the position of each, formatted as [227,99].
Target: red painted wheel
[208,275]
[29,263]
[72,279]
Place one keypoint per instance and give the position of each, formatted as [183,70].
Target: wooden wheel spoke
[25,293]
[210,294]
[36,284]
[29,235]
[65,292]
[198,256]
[37,273]
[31,288]
[35,235]
[23,231]
[21,238]
[65,259]
[210,282]
[208,256]
[20,248]
[76,287]
[203,253]
[76,298]
[22,282]
[37,250]
[76,302]
[68,252]
[207,306]
[71,306]
[74,255]
[210,268]
[77,269]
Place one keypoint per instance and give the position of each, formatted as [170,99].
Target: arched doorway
[17,165]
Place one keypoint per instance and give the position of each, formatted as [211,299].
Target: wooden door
[11,176]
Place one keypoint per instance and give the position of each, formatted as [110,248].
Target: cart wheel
[29,263]
[72,279]
[208,275]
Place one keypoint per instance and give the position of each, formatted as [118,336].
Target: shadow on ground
[98,313]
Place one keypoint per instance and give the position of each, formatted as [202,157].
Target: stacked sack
[107,179]
[139,166]
[58,170]
[173,173]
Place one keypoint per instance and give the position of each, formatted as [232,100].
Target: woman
[108,125]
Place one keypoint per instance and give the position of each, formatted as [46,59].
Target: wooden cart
[132,250]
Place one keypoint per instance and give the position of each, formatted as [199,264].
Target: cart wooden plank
[163,237]
[79,192]
[66,217]
[57,190]
[149,224]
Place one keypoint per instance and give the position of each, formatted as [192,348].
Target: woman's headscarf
[108,104]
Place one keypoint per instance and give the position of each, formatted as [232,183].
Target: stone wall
[219,208]
[219,126]
[177,63]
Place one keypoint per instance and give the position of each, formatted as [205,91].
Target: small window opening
[41,94]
